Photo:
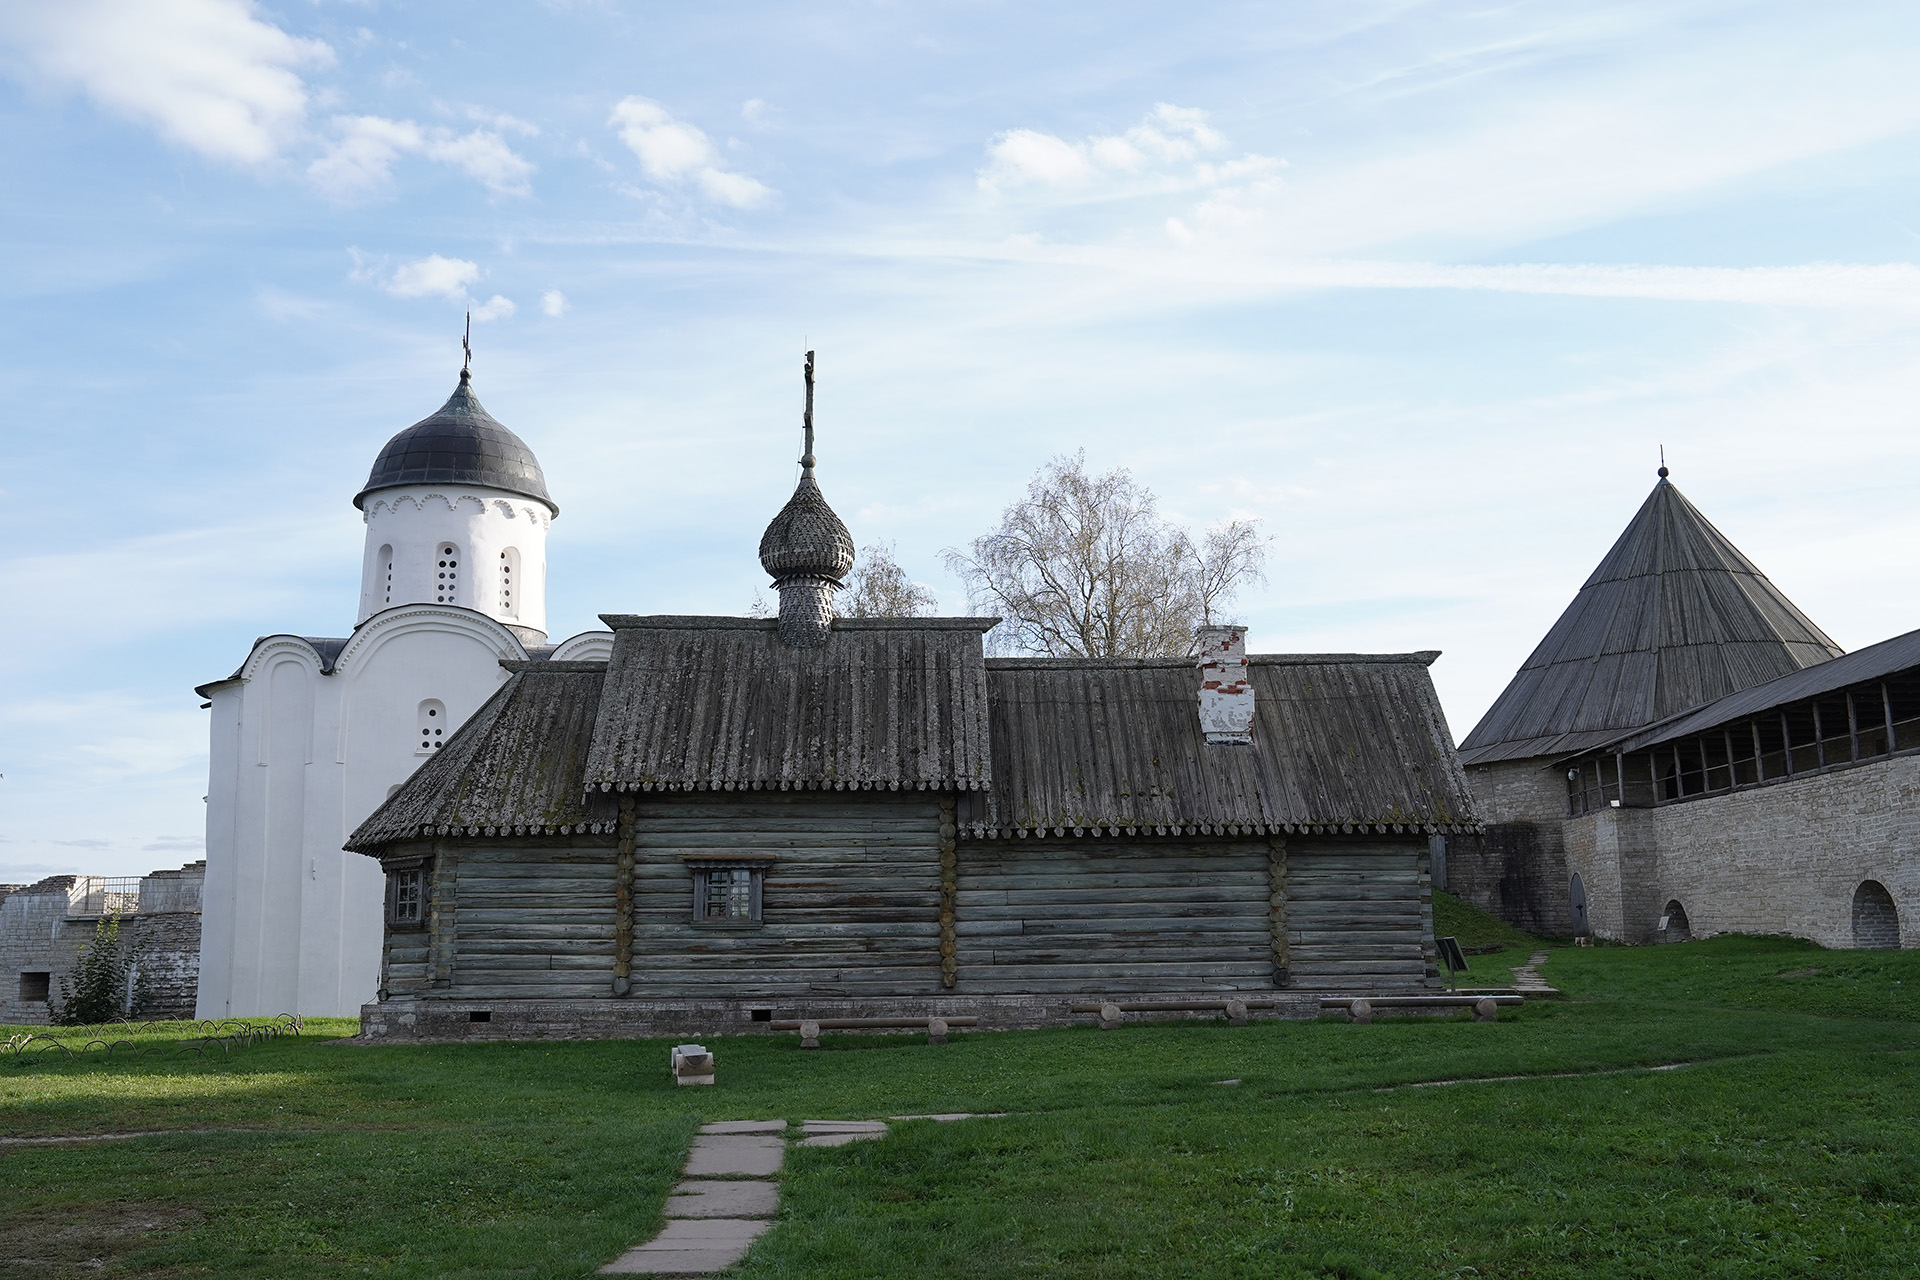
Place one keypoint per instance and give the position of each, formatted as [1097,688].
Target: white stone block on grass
[691,1064]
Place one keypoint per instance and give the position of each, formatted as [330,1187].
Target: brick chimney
[1226,695]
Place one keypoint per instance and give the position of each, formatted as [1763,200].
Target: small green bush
[107,984]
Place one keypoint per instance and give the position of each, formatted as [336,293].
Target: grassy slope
[1476,928]
[1788,1149]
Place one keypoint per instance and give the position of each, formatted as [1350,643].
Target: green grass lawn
[1789,1145]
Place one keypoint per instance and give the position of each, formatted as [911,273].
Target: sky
[1423,288]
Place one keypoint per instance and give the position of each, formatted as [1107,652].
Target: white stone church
[311,734]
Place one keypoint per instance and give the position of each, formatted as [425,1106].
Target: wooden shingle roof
[1899,656]
[1674,617]
[699,703]
[1341,743]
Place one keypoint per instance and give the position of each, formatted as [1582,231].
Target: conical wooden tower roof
[1674,617]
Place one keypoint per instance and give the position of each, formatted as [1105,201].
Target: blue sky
[1423,287]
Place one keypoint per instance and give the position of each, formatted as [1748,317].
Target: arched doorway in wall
[1577,900]
[1876,922]
[1674,925]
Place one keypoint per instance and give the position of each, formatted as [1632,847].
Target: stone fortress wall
[1788,857]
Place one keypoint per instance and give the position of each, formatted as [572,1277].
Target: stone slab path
[729,1196]
[838,1133]
[1527,979]
[725,1203]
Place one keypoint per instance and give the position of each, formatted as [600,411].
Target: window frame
[702,869]
[416,876]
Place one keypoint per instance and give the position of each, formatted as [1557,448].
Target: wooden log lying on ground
[1486,1008]
[810,1028]
[1174,1006]
[1466,999]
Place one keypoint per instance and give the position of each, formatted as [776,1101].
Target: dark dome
[459,444]
[806,539]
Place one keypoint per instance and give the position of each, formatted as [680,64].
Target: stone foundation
[404,1021]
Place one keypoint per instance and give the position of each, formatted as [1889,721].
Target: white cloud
[503,122]
[487,159]
[207,74]
[494,308]
[1888,285]
[554,303]
[430,276]
[735,189]
[1023,155]
[1167,145]
[673,152]
[360,160]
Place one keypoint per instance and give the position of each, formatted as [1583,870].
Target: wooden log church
[740,820]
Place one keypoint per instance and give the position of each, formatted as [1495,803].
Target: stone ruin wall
[44,926]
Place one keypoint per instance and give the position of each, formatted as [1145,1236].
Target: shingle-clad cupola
[807,551]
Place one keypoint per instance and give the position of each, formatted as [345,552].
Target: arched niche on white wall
[432,727]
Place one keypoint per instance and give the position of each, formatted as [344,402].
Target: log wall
[850,902]
[854,903]
[1097,916]
[508,919]
[1359,915]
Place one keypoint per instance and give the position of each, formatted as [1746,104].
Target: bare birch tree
[1084,567]
[879,588]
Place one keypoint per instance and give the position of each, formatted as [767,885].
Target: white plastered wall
[414,522]
[290,921]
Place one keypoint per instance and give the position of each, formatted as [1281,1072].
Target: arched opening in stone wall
[1876,921]
[384,566]
[1577,900]
[1674,925]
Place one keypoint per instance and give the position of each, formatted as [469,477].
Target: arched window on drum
[510,583]
[446,582]
[433,729]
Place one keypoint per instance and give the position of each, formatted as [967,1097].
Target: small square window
[724,895]
[405,896]
[36,988]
